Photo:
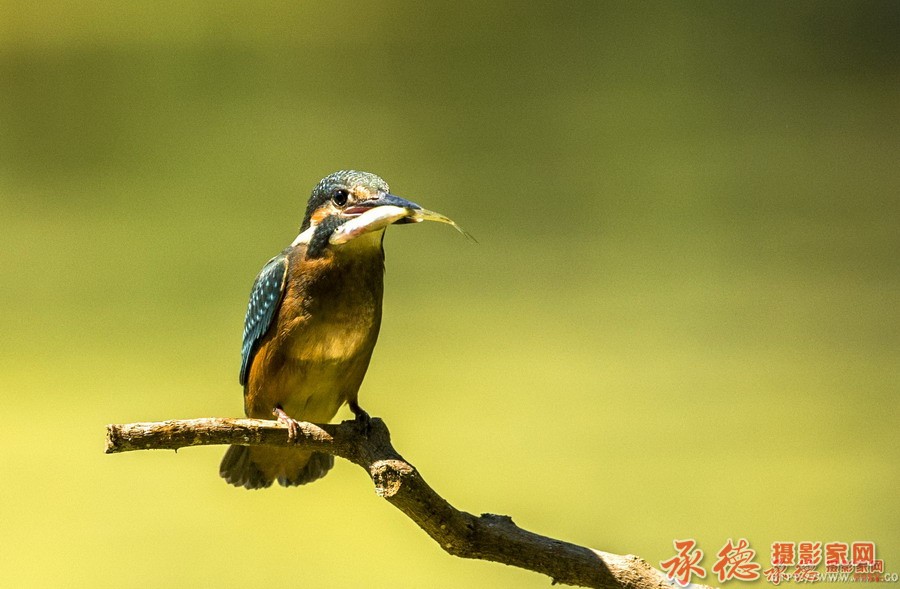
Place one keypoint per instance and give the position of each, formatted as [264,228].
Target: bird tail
[257,467]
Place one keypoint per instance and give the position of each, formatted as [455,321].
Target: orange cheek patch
[319,214]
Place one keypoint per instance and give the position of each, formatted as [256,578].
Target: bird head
[350,195]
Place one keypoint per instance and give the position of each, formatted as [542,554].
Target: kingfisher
[312,323]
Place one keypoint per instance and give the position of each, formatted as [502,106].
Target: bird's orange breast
[315,355]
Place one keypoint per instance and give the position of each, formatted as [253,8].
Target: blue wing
[265,298]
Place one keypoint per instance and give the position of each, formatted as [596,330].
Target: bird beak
[381,201]
[377,213]
[373,215]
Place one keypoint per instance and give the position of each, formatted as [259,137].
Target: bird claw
[292,424]
[363,421]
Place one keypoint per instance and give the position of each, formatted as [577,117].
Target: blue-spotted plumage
[265,297]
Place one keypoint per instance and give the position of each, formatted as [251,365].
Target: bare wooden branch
[488,537]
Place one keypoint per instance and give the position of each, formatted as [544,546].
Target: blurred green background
[682,319]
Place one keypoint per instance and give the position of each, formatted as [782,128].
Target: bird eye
[340,197]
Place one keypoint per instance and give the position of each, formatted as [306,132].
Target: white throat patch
[305,236]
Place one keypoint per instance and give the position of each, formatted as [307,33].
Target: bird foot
[292,424]
[363,421]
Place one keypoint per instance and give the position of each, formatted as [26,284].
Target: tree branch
[488,537]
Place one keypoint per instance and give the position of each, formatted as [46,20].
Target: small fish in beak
[379,217]
[419,215]
[372,220]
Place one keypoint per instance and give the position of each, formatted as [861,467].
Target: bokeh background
[681,320]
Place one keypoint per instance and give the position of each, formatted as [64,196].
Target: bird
[312,322]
